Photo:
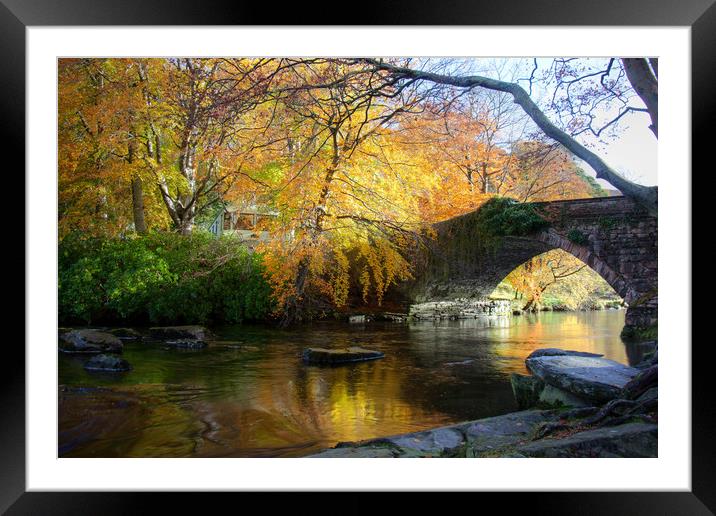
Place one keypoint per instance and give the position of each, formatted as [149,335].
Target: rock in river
[590,378]
[125,333]
[89,341]
[180,332]
[554,352]
[110,363]
[526,389]
[186,343]
[339,356]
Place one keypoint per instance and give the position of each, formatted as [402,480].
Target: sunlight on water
[258,399]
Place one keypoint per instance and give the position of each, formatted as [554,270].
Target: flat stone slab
[339,356]
[89,341]
[360,452]
[493,433]
[482,437]
[435,441]
[630,440]
[554,352]
[594,379]
[108,363]
[180,332]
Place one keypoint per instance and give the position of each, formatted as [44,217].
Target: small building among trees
[249,222]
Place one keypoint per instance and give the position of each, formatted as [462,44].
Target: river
[256,398]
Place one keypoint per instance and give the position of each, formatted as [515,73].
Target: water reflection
[261,400]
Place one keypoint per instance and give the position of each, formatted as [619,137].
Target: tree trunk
[529,305]
[646,86]
[293,308]
[140,225]
[186,220]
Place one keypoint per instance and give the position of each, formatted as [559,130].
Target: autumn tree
[534,277]
[543,172]
[100,170]
[644,73]
[201,116]
[344,188]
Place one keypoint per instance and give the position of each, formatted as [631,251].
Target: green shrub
[161,278]
[502,216]
[577,237]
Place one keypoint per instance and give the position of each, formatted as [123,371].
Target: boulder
[555,352]
[89,341]
[186,343]
[111,363]
[556,397]
[593,379]
[526,390]
[180,332]
[339,356]
[125,333]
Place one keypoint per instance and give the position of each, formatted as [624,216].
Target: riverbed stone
[593,379]
[186,343]
[554,352]
[110,363]
[339,356]
[526,389]
[180,332]
[628,440]
[89,341]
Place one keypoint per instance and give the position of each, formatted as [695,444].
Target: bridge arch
[616,238]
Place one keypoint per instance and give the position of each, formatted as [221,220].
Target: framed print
[419,236]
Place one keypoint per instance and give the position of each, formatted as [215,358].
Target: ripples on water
[254,396]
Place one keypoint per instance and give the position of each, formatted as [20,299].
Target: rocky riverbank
[459,309]
[103,345]
[580,405]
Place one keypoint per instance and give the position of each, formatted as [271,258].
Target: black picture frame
[700,15]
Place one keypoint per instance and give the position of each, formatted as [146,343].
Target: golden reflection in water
[320,407]
[570,331]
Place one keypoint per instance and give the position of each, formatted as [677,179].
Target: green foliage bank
[161,278]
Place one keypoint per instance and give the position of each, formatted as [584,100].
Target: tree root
[616,412]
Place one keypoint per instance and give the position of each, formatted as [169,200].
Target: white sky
[633,154]
[631,150]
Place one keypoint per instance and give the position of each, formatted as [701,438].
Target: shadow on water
[253,396]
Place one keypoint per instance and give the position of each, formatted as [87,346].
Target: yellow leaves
[381,265]
[339,279]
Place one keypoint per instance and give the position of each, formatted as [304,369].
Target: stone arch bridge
[613,235]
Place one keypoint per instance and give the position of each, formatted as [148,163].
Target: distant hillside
[611,192]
